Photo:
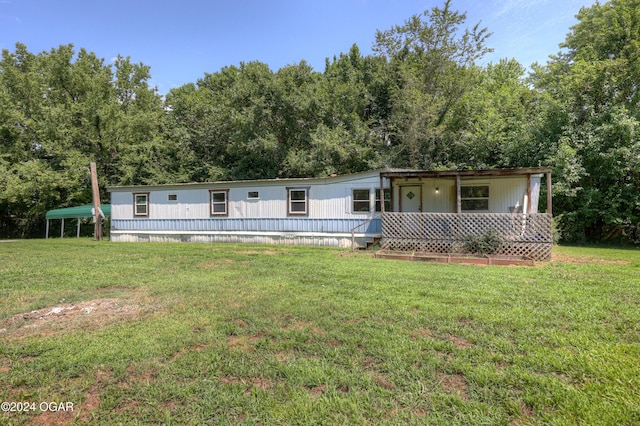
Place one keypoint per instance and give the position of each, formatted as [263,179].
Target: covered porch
[445,212]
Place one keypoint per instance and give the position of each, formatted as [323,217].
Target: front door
[411,199]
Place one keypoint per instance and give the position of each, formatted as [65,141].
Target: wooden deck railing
[523,235]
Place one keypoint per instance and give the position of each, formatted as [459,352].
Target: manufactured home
[405,209]
[319,211]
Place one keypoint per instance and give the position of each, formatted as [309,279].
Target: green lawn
[243,334]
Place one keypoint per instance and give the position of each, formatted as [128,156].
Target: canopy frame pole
[62,229]
[46,232]
[78,230]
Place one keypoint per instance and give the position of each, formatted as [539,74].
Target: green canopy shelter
[77,212]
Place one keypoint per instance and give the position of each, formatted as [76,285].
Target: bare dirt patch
[304,326]
[317,391]
[215,264]
[454,384]
[53,418]
[139,374]
[240,323]
[249,383]
[383,382]
[424,333]
[525,412]
[565,258]
[63,318]
[182,352]
[459,342]
[284,357]
[266,252]
[243,342]
[4,365]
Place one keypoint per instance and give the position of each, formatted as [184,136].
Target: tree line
[419,101]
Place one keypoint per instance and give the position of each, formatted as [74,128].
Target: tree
[430,60]
[498,122]
[344,136]
[62,110]
[595,85]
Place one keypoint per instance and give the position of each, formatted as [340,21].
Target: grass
[242,334]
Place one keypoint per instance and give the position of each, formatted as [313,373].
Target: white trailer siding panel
[327,198]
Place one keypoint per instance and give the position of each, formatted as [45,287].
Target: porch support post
[46,231]
[458,196]
[549,196]
[528,194]
[62,229]
[381,194]
[78,229]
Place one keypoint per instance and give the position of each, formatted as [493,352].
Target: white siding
[443,201]
[504,193]
[328,198]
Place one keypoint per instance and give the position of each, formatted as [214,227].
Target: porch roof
[465,173]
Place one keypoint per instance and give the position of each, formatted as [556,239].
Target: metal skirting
[287,238]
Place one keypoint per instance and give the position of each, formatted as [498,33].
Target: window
[141,204]
[219,202]
[173,197]
[253,195]
[474,198]
[361,203]
[387,200]
[297,201]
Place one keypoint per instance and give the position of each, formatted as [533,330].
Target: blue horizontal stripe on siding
[233,224]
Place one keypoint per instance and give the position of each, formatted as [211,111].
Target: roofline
[384,172]
[466,173]
[236,182]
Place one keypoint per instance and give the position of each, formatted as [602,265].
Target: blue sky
[182,39]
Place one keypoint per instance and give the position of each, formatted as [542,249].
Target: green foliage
[430,62]
[62,110]
[489,242]
[594,84]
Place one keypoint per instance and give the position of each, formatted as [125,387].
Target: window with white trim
[219,202]
[474,198]
[361,201]
[298,201]
[141,204]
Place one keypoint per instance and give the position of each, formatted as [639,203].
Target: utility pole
[96,203]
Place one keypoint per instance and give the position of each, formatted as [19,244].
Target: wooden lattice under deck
[524,235]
